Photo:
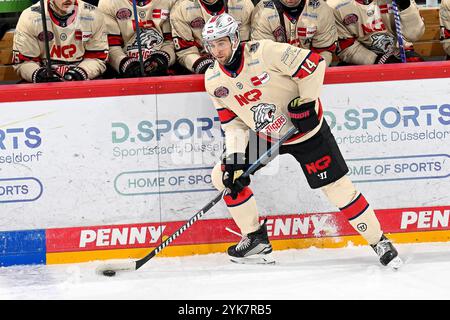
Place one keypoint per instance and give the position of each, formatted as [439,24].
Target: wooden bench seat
[7,72]
[429,44]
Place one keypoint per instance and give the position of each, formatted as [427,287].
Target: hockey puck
[109,273]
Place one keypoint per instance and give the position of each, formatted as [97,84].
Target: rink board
[325,230]
[107,169]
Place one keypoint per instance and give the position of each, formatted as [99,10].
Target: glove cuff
[201,64]
[161,54]
[82,72]
[125,63]
[301,111]
[303,116]
[381,59]
[35,73]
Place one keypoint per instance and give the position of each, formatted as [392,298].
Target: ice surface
[347,273]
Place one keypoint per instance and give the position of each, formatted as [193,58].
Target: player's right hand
[202,64]
[41,75]
[386,58]
[157,64]
[233,166]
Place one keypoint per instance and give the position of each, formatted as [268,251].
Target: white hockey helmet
[221,26]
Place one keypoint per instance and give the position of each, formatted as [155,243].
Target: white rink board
[94,161]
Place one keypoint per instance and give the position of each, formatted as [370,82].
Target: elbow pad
[303,116]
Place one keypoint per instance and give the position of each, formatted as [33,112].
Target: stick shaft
[46,44]
[138,37]
[398,29]
[274,148]
[177,233]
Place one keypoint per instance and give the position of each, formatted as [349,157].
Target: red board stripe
[210,231]
[195,83]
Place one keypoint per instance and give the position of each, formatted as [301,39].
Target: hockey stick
[46,45]
[111,268]
[138,37]
[398,29]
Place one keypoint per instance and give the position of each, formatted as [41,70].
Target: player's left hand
[75,74]
[233,167]
[157,64]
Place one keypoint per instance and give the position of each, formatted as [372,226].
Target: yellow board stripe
[187,250]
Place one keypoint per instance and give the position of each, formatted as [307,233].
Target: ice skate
[254,248]
[387,253]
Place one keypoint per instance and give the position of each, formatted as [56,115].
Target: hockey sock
[363,219]
[244,211]
[355,208]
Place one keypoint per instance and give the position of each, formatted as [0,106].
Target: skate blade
[254,259]
[395,263]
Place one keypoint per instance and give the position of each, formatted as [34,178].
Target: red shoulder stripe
[308,66]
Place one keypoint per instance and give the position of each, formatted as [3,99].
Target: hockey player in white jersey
[444,16]
[155,36]
[268,87]
[77,42]
[307,24]
[367,32]
[188,18]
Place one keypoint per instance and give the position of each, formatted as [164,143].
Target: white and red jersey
[444,16]
[256,96]
[154,26]
[365,31]
[188,18]
[314,29]
[79,41]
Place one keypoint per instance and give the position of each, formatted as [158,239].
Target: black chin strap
[235,63]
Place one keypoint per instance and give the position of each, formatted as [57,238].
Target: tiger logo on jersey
[382,42]
[263,114]
[150,38]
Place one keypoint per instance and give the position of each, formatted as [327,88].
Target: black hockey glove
[233,166]
[412,56]
[75,74]
[303,115]
[157,64]
[130,68]
[202,64]
[41,75]
[386,58]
